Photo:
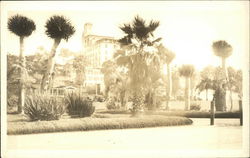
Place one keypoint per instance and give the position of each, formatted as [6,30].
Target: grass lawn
[18,124]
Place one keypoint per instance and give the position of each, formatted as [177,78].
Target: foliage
[139,57]
[166,55]
[34,68]
[58,27]
[99,98]
[152,102]
[116,84]
[112,103]
[195,106]
[79,106]
[43,107]
[235,80]
[79,64]
[12,101]
[222,49]
[186,70]
[21,25]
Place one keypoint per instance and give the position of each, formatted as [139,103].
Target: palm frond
[186,70]
[58,27]
[21,25]
[222,49]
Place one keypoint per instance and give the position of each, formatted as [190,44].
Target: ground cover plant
[84,124]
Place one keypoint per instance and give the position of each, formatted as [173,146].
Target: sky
[187,28]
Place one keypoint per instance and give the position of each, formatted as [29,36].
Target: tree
[207,76]
[22,27]
[223,50]
[138,53]
[57,28]
[234,83]
[167,57]
[79,64]
[115,83]
[187,71]
[175,82]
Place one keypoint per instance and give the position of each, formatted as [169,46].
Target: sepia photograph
[108,79]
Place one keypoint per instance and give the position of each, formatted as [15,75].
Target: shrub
[112,104]
[99,98]
[79,106]
[12,101]
[43,107]
[195,106]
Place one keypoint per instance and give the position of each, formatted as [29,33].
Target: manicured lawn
[20,125]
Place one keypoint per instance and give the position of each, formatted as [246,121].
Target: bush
[112,104]
[43,107]
[195,106]
[79,106]
[99,98]
[12,102]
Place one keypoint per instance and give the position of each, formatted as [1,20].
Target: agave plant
[43,107]
[22,27]
[57,28]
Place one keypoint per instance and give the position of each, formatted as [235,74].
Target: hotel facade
[97,49]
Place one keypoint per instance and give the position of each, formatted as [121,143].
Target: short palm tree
[187,71]
[205,84]
[223,50]
[22,27]
[57,28]
[167,57]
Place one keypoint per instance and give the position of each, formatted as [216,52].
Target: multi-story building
[97,50]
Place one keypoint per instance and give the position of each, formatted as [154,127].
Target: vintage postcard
[124,79]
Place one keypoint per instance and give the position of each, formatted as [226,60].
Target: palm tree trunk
[231,99]
[206,94]
[187,93]
[223,64]
[169,86]
[48,75]
[21,99]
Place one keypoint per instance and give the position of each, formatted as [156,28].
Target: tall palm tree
[137,54]
[223,50]
[187,71]
[22,27]
[167,57]
[57,28]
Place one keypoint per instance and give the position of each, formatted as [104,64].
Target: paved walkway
[200,138]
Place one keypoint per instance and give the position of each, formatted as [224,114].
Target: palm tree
[22,27]
[167,57]
[57,28]
[223,50]
[137,54]
[187,71]
[205,84]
